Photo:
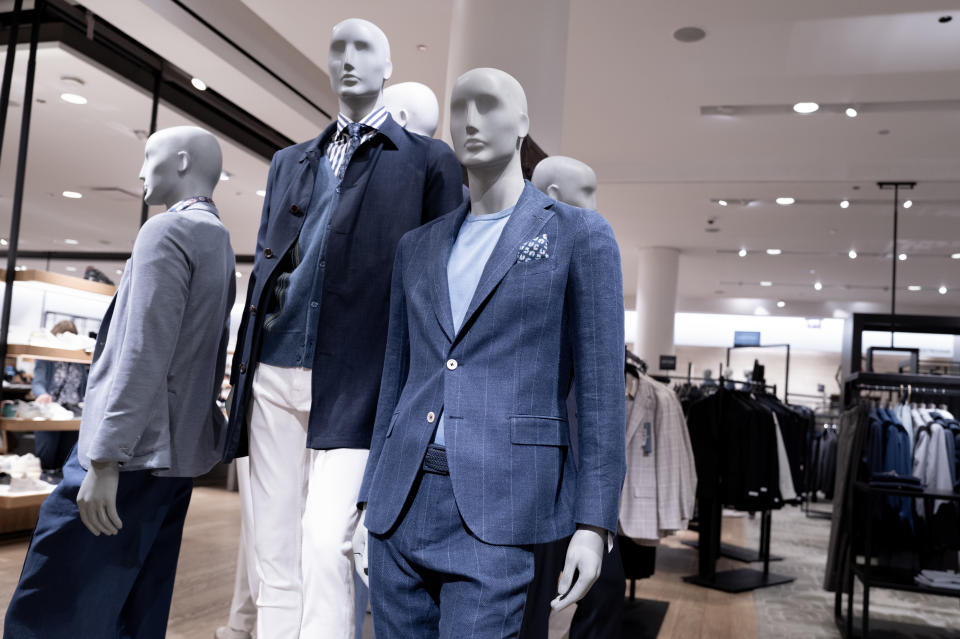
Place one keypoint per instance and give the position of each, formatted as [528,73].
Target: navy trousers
[431,578]
[74,584]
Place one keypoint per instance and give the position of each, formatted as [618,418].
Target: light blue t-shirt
[476,240]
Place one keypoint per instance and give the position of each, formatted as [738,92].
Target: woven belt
[435,460]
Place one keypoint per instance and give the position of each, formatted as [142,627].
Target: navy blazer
[502,381]
[394,182]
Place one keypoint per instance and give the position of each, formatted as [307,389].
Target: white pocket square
[536,249]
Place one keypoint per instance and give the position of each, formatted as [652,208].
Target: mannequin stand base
[642,618]
[737,553]
[740,580]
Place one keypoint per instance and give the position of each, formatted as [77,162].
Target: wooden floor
[204,585]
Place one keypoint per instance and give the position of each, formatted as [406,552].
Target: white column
[657,271]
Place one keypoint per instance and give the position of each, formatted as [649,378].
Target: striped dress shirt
[338,146]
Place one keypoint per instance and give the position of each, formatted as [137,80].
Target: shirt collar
[183,205]
[374,119]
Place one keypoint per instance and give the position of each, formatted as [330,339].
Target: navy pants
[430,577]
[53,447]
[74,584]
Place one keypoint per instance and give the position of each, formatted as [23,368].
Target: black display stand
[642,618]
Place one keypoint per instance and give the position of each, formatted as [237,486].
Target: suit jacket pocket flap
[539,431]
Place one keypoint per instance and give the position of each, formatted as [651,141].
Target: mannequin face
[413,106]
[567,180]
[488,118]
[359,61]
[178,163]
[163,162]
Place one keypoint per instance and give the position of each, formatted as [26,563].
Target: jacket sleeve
[444,183]
[156,298]
[596,318]
[245,317]
[396,366]
[41,378]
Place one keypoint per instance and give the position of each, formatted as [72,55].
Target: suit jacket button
[431,417]
[243,368]
[268,253]
[452,364]
[253,309]
[295,209]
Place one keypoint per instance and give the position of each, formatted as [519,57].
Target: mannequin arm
[584,558]
[360,558]
[97,499]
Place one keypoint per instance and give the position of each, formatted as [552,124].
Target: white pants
[305,509]
[243,608]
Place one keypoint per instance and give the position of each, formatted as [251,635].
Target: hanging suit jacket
[394,182]
[502,380]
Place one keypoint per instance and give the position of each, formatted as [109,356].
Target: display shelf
[22,500]
[890,578]
[15,425]
[63,281]
[46,352]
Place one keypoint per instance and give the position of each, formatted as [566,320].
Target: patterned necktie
[354,130]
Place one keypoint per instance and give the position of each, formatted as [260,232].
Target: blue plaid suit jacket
[528,326]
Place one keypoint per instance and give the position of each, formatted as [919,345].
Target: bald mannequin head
[488,118]
[567,180]
[414,106]
[179,163]
[359,61]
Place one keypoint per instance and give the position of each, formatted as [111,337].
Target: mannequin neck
[186,189]
[356,107]
[495,188]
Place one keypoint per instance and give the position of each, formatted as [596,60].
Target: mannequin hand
[97,499]
[584,558]
[360,561]
[44,399]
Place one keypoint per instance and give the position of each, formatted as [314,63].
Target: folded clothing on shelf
[20,466]
[94,274]
[43,337]
[51,411]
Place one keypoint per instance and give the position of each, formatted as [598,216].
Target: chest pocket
[532,267]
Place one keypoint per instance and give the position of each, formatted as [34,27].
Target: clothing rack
[810,494]
[710,547]
[786,376]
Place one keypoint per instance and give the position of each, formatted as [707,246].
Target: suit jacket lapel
[529,216]
[444,236]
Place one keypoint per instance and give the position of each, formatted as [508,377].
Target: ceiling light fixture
[73,195]
[785,201]
[851,112]
[3,241]
[119,272]
[955,256]
[908,204]
[774,251]
[805,108]
[421,47]
[914,288]
[742,252]
[817,286]
[942,290]
[781,304]
[845,204]
[902,257]
[760,311]
[238,274]
[766,283]
[722,202]
[70,268]
[852,254]
[71,242]
[198,84]
[261,193]
[224,176]
[689,34]
[73,98]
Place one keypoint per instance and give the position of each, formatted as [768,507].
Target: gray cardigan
[160,355]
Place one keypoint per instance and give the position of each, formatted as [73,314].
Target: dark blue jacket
[394,183]
[502,381]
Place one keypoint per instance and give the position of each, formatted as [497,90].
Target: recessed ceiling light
[774,251]
[71,242]
[955,256]
[742,252]
[119,272]
[908,204]
[261,193]
[845,204]
[817,286]
[73,98]
[73,195]
[785,201]
[722,202]
[902,257]
[3,241]
[198,84]
[421,47]
[781,304]
[238,274]
[852,254]
[851,112]
[883,132]
[942,290]
[760,311]
[689,34]
[224,176]
[914,287]
[70,268]
[806,107]
[766,283]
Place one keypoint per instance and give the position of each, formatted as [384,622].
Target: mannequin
[414,106]
[306,371]
[567,180]
[496,261]
[108,537]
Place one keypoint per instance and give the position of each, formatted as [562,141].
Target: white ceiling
[631,109]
